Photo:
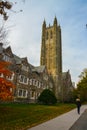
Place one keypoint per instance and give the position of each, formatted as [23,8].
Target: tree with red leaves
[6,86]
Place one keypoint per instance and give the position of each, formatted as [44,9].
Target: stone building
[67,87]
[31,80]
[51,56]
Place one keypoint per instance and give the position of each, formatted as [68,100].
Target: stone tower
[51,53]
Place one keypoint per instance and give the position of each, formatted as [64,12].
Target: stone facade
[51,55]
[30,80]
[67,87]
[51,51]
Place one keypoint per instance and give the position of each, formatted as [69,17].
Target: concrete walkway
[81,123]
[63,122]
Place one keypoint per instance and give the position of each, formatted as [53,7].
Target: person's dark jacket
[78,103]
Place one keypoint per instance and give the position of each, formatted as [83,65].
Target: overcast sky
[26,29]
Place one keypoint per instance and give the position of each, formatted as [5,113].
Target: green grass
[24,116]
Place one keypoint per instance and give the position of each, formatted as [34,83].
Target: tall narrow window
[20,92]
[24,93]
[47,35]
[21,78]
[51,34]
[31,81]
[33,93]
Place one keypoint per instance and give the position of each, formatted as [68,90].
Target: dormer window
[25,67]
[6,58]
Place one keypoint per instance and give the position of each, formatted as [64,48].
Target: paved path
[81,123]
[63,122]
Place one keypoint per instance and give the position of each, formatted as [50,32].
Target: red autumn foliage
[6,86]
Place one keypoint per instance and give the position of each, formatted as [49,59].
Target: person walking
[78,103]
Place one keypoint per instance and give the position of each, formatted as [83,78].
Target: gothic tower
[51,53]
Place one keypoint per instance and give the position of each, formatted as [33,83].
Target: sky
[25,30]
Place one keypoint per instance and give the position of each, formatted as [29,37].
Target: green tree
[47,97]
[82,85]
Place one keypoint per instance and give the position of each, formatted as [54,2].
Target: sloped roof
[39,69]
[31,66]
[24,59]
[8,51]
[17,59]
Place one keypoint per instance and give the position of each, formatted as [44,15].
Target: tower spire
[55,21]
[44,23]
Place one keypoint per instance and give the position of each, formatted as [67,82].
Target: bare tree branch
[6,5]
[3,35]
[3,6]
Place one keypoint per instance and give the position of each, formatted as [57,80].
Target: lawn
[24,116]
